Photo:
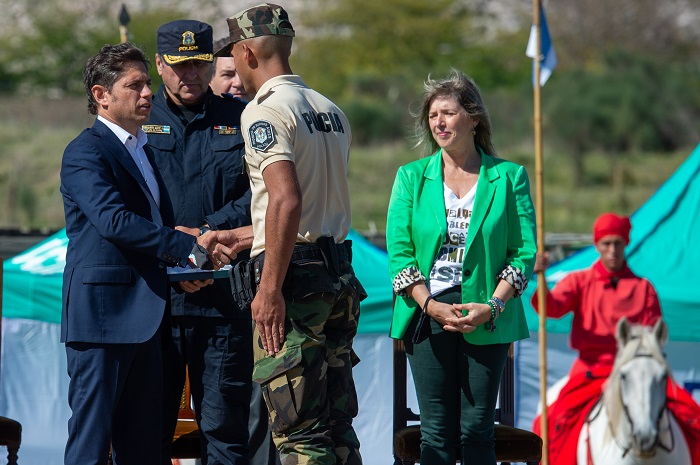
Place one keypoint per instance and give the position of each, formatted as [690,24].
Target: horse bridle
[658,442]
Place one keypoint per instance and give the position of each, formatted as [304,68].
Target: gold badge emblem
[188,38]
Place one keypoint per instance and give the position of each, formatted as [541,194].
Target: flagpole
[1,305]
[539,206]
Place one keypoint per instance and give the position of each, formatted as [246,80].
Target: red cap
[609,224]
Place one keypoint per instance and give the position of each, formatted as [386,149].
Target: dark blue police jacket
[202,165]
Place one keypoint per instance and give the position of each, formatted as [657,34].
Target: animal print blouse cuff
[405,278]
[515,278]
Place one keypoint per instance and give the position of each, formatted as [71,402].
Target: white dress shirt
[135,147]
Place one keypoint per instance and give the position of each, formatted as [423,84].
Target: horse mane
[640,343]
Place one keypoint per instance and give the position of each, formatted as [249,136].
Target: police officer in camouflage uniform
[306,308]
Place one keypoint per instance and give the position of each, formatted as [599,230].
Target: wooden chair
[10,430]
[10,437]
[512,444]
[186,439]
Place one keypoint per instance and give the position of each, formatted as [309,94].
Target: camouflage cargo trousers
[308,386]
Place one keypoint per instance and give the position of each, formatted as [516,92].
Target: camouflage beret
[261,20]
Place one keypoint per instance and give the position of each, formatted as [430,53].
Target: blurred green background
[620,113]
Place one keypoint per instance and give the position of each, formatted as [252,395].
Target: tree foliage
[585,29]
[630,103]
[48,57]
[373,56]
[624,80]
[390,37]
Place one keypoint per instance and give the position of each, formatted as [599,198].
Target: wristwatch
[204,229]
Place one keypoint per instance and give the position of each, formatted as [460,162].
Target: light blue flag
[548,58]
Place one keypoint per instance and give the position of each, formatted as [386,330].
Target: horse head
[635,395]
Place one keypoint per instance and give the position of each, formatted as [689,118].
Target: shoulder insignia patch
[262,135]
[155,129]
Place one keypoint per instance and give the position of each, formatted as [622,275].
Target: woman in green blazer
[461,243]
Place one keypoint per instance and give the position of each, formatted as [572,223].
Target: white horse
[631,425]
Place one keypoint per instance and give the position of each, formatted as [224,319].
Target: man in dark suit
[115,285]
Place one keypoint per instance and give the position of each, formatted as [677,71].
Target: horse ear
[623,331]
[660,331]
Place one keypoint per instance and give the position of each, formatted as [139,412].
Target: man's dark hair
[107,66]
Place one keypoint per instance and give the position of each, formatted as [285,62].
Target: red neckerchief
[600,272]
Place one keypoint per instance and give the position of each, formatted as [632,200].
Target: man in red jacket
[598,297]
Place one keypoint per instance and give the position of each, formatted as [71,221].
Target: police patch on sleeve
[262,135]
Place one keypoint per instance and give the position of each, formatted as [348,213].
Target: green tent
[663,248]
[33,280]
[35,388]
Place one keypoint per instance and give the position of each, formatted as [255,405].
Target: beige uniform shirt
[289,121]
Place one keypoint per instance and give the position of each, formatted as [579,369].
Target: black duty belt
[313,252]
[324,250]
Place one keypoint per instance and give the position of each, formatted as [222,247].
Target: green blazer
[501,234]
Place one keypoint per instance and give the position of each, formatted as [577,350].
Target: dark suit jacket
[115,286]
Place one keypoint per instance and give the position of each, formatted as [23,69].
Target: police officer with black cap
[195,136]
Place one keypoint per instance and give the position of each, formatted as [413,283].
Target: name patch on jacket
[262,136]
[227,129]
[323,122]
[155,129]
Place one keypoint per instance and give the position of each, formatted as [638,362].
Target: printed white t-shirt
[447,269]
